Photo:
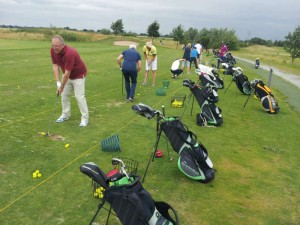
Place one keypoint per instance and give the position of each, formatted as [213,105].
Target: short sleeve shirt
[131,57]
[69,59]
[150,52]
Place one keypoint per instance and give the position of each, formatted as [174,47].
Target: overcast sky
[266,19]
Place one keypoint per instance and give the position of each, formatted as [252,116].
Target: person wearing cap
[193,58]
[132,64]
[150,54]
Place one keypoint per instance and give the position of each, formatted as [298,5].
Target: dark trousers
[130,76]
[193,60]
[177,72]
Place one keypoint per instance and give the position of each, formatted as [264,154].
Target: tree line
[209,38]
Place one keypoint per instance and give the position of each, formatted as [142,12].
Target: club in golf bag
[193,157]
[267,99]
[132,204]
[208,75]
[210,114]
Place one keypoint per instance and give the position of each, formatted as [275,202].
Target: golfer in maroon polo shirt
[73,79]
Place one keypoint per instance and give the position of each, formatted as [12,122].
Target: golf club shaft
[53,113]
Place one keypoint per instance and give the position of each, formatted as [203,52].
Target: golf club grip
[163,110]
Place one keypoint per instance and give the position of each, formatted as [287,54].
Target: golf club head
[145,110]
[116,161]
[93,171]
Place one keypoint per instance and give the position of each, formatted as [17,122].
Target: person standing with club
[132,64]
[74,71]
[150,54]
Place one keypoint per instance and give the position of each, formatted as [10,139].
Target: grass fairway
[256,154]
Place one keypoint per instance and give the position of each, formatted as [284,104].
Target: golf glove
[58,84]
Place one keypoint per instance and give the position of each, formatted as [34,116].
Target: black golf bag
[257,63]
[267,99]
[242,82]
[208,75]
[210,114]
[132,204]
[230,59]
[193,158]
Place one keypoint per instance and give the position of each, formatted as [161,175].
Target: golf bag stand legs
[158,135]
[189,98]
[98,210]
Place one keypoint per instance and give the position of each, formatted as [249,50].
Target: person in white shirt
[199,50]
[175,68]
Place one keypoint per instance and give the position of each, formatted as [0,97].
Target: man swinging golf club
[74,71]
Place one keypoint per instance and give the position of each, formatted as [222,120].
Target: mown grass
[256,154]
[275,57]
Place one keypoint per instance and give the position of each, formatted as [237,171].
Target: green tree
[178,34]
[292,43]
[117,27]
[153,30]
[104,31]
[190,35]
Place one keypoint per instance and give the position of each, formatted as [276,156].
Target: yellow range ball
[39,175]
[67,145]
[34,175]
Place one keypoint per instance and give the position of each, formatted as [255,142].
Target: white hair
[132,46]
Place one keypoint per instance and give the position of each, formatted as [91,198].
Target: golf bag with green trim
[132,204]
[193,158]
[267,99]
[242,82]
[210,114]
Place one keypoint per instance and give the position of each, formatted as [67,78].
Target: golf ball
[34,175]
[43,133]
[39,175]
[67,145]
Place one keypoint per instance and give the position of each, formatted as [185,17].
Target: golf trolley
[122,189]
[193,158]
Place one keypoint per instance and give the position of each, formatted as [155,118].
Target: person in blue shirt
[130,67]
[193,59]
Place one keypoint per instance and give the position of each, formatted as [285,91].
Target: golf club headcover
[93,171]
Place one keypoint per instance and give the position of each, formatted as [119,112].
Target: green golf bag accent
[193,158]
[242,82]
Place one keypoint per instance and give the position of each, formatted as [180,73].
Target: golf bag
[242,82]
[267,99]
[208,75]
[230,59]
[210,114]
[257,63]
[193,158]
[132,204]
